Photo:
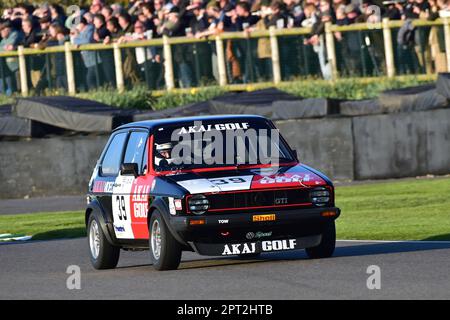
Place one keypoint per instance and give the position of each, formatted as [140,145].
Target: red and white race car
[217,185]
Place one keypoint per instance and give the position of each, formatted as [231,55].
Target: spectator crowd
[247,60]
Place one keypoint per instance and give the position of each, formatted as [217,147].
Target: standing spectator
[172,26]
[84,34]
[407,59]
[106,56]
[44,24]
[264,52]
[242,19]
[57,37]
[148,17]
[436,39]
[148,59]
[198,24]
[107,12]
[35,63]
[10,39]
[57,14]
[317,39]
[114,30]
[129,60]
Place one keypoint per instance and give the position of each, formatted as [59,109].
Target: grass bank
[416,209]
[140,97]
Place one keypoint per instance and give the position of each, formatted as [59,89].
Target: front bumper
[304,225]
[252,247]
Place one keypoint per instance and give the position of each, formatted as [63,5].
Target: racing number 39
[120,200]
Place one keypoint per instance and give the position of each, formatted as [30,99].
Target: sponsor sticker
[258,235]
[218,127]
[264,217]
[251,247]
[119,228]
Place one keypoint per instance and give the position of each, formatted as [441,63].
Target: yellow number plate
[264,217]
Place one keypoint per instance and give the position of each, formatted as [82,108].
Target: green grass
[42,226]
[412,209]
[405,210]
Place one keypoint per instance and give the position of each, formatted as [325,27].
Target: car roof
[151,124]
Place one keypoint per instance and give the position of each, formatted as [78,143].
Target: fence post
[22,72]
[220,52]
[447,42]
[331,51]
[388,48]
[118,66]
[69,69]
[275,54]
[168,64]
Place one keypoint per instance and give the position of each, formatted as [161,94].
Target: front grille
[251,199]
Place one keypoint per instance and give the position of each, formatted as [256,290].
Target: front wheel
[103,254]
[165,251]
[327,245]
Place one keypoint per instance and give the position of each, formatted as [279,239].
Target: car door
[108,169]
[130,193]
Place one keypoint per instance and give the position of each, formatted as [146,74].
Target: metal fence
[274,55]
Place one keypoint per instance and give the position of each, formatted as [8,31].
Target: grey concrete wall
[365,147]
[402,145]
[54,166]
[325,144]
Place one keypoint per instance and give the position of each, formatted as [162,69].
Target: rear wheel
[165,251]
[327,245]
[103,254]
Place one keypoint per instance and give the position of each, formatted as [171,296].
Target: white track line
[397,241]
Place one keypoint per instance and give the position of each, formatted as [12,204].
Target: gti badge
[281,200]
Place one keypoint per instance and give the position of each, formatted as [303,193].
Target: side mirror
[129,169]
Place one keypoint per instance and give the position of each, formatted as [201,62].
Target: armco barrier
[345,148]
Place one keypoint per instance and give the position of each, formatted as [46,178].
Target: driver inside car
[163,155]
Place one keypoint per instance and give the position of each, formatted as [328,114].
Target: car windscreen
[212,143]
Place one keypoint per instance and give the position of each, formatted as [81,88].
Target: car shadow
[439,237]
[61,234]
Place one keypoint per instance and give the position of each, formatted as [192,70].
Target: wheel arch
[94,208]
[160,204]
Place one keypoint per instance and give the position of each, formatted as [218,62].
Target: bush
[351,88]
[173,99]
[137,98]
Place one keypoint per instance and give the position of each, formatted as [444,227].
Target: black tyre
[103,254]
[326,247]
[165,251]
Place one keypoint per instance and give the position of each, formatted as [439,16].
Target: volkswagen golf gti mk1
[217,185]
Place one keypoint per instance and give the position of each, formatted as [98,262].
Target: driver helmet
[163,152]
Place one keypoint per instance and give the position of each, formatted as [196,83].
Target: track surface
[47,204]
[37,270]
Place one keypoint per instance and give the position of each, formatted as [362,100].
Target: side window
[136,148]
[111,160]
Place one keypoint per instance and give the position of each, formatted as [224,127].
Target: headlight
[198,204]
[320,196]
